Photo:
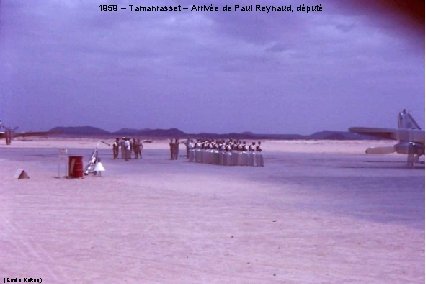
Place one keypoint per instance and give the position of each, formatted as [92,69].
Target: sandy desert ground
[318,212]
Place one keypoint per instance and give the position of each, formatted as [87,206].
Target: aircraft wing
[386,133]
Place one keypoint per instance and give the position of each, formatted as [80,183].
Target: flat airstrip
[318,212]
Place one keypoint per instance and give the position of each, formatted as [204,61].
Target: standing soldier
[136,148]
[191,151]
[127,149]
[187,147]
[140,147]
[176,150]
[171,144]
[123,148]
[115,147]
[131,148]
[252,153]
[259,156]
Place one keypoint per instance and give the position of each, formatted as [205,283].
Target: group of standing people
[225,152]
[127,146]
[228,152]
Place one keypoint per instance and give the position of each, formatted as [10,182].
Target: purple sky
[65,63]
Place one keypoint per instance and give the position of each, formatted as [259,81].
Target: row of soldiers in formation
[221,152]
[127,146]
[225,152]
[225,145]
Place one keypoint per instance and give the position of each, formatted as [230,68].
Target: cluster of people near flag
[127,146]
[230,152]
[225,152]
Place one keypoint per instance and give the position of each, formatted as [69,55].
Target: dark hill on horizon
[89,131]
[78,130]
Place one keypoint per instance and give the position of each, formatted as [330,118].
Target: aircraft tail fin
[405,120]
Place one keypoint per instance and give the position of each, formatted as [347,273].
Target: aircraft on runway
[410,137]
[9,133]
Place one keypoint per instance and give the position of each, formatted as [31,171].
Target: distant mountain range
[89,131]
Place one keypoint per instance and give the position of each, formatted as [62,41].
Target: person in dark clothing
[115,148]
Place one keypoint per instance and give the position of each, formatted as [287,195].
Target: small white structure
[99,168]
